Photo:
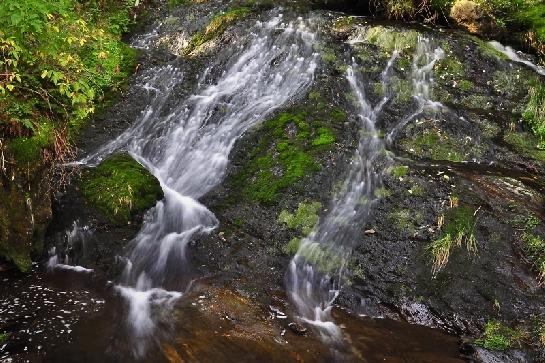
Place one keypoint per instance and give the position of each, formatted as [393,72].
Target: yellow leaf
[10,87]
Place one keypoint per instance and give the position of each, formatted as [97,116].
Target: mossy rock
[120,188]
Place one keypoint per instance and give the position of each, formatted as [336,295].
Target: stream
[161,307]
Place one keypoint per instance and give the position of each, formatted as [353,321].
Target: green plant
[3,337]
[458,227]
[534,249]
[534,115]
[57,58]
[497,336]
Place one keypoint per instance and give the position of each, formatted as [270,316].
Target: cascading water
[317,271]
[512,54]
[74,238]
[187,146]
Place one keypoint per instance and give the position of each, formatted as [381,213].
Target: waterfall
[187,146]
[512,54]
[317,271]
[74,238]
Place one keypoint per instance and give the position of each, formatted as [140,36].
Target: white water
[76,235]
[186,146]
[515,57]
[318,270]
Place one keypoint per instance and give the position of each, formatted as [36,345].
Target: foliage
[458,228]
[304,218]
[120,188]
[497,336]
[58,58]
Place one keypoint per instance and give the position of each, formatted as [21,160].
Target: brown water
[72,317]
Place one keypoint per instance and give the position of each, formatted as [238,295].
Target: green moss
[399,171]
[477,101]
[216,27]
[435,145]
[120,188]
[3,338]
[272,168]
[344,23]
[406,220]
[382,192]
[403,89]
[338,115]
[534,115]
[534,250]
[465,85]
[388,39]
[29,149]
[525,143]
[497,336]
[325,137]
[450,69]
[325,259]
[458,227]
[292,247]
[417,190]
[487,50]
[304,218]
[175,3]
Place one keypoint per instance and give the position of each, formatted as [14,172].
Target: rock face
[464,174]
[25,212]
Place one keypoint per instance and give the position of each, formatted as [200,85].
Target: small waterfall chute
[318,270]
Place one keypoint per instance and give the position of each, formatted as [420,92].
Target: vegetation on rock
[304,218]
[457,227]
[295,139]
[216,27]
[120,188]
[497,336]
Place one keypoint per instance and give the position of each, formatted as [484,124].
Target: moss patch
[406,220]
[120,188]
[534,115]
[534,249]
[399,171]
[284,155]
[304,218]
[497,336]
[435,145]
[389,39]
[525,143]
[216,27]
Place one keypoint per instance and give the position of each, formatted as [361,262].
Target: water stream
[319,269]
[187,146]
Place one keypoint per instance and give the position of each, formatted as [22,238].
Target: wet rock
[297,328]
